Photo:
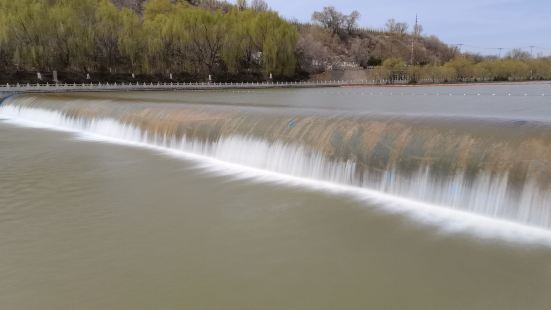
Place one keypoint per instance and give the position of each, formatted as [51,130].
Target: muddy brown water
[90,224]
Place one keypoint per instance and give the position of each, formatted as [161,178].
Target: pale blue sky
[479,24]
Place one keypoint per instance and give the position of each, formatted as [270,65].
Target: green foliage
[277,40]
[108,25]
[130,44]
[214,37]
[170,37]
[464,69]
[393,64]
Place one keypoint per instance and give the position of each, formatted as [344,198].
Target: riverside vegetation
[96,36]
[192,40]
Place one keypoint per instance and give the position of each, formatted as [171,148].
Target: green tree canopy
[170,36]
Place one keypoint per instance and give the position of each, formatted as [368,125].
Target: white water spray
[486,195]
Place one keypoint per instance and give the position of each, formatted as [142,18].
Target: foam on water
[296,165]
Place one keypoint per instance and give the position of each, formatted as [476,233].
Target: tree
[518,53]
[259,6]
[130,41]
[241,4]
[351,21]
[360,51]
[313,55]
[205,32]
[390,25]
[210,36]
[396,27]
[160,35]
[393,66]
[463,67]
[5,46]
[107,33]
[335,21]
[275,39]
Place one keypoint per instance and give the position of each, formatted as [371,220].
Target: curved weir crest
[478,171]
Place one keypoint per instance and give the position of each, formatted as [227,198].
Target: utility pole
[532,50]
[459,47]
[413,39]
[500,49]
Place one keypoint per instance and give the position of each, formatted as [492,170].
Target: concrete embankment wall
[342,75]
[106,87]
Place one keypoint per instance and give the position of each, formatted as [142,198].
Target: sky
[481,25]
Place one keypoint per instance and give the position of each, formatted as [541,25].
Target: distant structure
[413,37]
[459,47]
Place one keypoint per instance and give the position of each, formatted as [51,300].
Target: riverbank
[10,89]
[24,77]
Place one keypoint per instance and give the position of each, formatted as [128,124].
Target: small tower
[413,37]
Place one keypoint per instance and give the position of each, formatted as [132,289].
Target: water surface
[86,224]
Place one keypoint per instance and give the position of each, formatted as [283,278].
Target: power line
[534,49]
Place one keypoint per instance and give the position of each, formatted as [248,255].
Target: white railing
[8,89]
[60,87]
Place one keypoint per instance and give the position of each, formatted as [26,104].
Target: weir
[4,95]
[496,168]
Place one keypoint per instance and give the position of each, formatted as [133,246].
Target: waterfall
[496,169]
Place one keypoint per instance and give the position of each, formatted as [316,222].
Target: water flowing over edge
[220,159]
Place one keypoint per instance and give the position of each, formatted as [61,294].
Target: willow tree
[84,34]
[5,49]
[237,51]
[540,68]
[170,36]
[159,34]
[205,31]
[107,32]
[49,35]
[131,43]
[276,40]
[70,35]
[28,30]
[463,67]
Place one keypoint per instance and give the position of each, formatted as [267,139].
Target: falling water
[495,168]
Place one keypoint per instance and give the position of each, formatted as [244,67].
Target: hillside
[204,40]
[319,49]
[138,5]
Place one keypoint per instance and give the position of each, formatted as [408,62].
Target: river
[339,198]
